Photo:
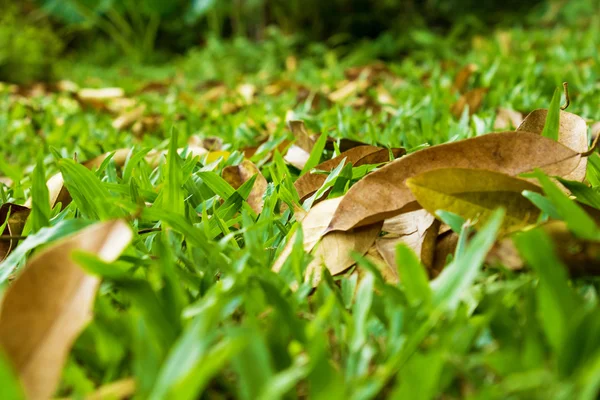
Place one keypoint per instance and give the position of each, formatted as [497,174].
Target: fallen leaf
[572,132]
[346,90]
[211,143]
[237,175]
[383,193]
[475,194]
[57,192]
[309,183]
[314,224]
[296,157]
[48,304]
[507,118]
[444,247]
[128,118]
[473,99]
[335,249]
[99,98]
[389,272]
[417,229]
[304,140]
[17,216]
[462,77]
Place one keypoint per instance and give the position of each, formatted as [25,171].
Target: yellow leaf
[474,194]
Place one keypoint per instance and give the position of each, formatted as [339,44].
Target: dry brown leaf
[461,79]
[309,183]
[417,229]
[343,144]
[572,132]
[304,140]
[57,192]
[46,307]
[370,72]
[296,156]
[383,193]
[445,245]
[17,216]
[507,118]
[237,175]
[473,99]
[335,249]
[128,118]
[389,272]
[314,224]
[211,143]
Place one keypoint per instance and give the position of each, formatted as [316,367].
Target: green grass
[192,310]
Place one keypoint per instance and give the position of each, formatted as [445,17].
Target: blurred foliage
[138,27]
[28,46]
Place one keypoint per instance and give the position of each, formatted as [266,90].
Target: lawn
[174,231]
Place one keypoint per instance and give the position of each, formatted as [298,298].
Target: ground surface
[192,306]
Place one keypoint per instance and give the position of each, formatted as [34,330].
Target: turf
[194,310]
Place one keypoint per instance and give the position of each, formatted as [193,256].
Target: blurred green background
[36,34]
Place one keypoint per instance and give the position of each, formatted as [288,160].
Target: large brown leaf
[48,304]
[307,184]
[572,132]
[384,193]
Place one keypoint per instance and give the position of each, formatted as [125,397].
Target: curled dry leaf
[314,224]
[128,118]
[417,229]
[507,118]
[383,193]
[17,216]
[475,194]
[473,99]
[307,184]
[57,192]
[572,132]
[461,79]
[298,153]
[48,304]
[335,249]
[304,140]
[236,175]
